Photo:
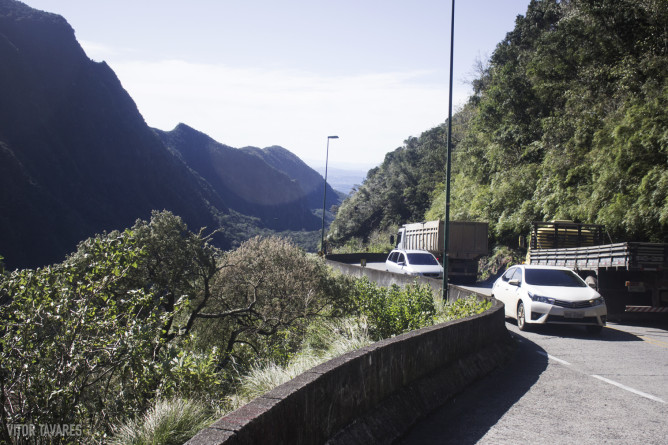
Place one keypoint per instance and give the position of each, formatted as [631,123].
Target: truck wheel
[521,320]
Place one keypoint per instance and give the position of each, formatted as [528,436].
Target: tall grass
[325,341]
[168,422]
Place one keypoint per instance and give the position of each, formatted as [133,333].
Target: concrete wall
[381,277]
[372,395]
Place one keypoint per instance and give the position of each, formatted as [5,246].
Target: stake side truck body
[631,276]
[467,243]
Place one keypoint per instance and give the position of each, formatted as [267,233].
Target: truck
[632,277]
[467,244]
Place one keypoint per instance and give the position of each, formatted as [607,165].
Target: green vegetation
[392,311]
[146,335]
[461,308]
[568,120]
[375,242]
[325,340]
[167,422]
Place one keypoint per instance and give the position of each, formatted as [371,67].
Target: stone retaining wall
[382,277]
[372,395]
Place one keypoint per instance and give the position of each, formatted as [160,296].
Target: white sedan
[414,262]
[546,294]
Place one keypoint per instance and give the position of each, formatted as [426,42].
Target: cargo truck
[631,276]
[468,243]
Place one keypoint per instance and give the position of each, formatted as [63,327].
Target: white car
[414,262]
[546,294]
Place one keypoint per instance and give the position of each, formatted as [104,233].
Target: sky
[293,72]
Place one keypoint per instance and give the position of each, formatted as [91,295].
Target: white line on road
[603,379]
[634,391]
[563,362]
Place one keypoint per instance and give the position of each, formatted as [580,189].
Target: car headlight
[541,299]
[597,301]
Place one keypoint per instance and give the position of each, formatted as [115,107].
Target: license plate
[573,314]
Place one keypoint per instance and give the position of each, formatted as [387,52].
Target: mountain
[77,157]
[310,180]
[246,182]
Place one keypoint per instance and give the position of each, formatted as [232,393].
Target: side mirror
[514,282]
[401,263]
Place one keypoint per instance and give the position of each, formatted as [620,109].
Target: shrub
[462,308]
[268,289]
[392,311]
[76,347]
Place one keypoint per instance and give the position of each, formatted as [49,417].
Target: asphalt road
[564,386]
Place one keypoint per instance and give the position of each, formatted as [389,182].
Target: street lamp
[324,198]
[446,237]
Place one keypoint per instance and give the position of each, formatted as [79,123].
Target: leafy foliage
[392,311]
[267,291]
[86,339]
[399,190]
[464,307]
[147,314]
[72,341]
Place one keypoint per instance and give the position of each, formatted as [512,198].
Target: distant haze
[342,178]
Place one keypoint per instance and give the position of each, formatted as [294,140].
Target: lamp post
[446,241]
[324,198]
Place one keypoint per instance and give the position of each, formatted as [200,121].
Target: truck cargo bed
[628,256]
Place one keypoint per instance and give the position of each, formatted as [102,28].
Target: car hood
[564,293]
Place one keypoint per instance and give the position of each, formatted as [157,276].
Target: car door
[514,293]
[505,292]
[391,262]
[401,263]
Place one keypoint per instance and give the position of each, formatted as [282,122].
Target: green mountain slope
[568,120]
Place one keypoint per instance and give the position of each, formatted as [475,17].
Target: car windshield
[552,277]
[422,259]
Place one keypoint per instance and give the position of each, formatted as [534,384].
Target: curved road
[563,386]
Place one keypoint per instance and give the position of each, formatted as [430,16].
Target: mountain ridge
[77,157]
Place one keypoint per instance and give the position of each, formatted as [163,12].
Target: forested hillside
[568,120]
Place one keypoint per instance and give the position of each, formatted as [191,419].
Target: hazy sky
[292,72]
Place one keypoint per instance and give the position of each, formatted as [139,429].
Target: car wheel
[521,317]
[594,329]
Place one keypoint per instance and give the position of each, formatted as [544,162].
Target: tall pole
[446,241]
[324,199]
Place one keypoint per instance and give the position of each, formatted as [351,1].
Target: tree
[77,344]
[145,313]
[263,298]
